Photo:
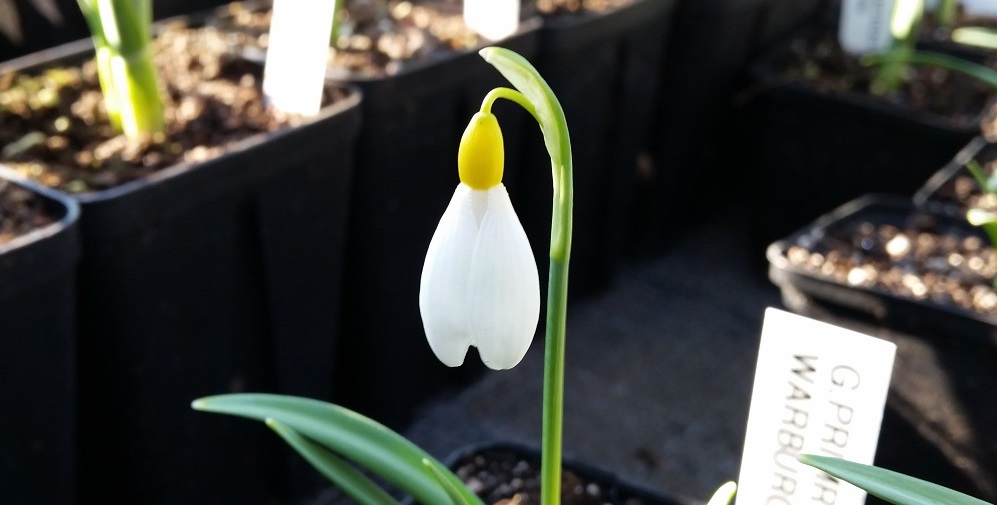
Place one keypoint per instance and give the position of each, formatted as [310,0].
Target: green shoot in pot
[985,219]
[893,64]
[904,26]
[976,36]
[946,12]
[122,32]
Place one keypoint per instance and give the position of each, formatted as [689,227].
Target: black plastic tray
[801,289]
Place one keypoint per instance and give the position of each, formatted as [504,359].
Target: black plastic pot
[917,316]
[604,69]
[223,276]
[688,171]
[813,151]
[617,489]
[941,411]
[38,363]
[406,174]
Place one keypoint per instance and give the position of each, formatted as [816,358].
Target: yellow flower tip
[481,157]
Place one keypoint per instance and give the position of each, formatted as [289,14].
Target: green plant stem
[904,27]
[946,13]
[121,32]
[548,112]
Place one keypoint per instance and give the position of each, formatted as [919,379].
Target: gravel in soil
[502,477]
[920,259]
[820,61]
[55,129]
[21,211]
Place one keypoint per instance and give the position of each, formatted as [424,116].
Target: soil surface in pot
[502,477]
[819,61]
[377,39]
[21,211]
[569,7]
[55,129]
[922,259]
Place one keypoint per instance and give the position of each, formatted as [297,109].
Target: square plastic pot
[38,381]
[221,276]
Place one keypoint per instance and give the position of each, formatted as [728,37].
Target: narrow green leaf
[355,484]
[360,439]
[455,497]
[891,486]
[983,73]
[724,494]
[976,36]
[988,185]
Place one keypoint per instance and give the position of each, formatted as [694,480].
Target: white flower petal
[443,288]
[503,287]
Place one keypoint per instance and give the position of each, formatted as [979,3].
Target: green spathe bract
[331,437]
[121,31]
[891,486]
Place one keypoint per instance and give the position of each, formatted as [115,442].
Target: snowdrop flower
[480,285]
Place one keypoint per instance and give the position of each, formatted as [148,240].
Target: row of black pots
[807,149]
[689,169]
[941,411]
[241,273]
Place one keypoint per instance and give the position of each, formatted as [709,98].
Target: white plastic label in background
[492,19]
[819,389]
[864,27]
[294,73]
[980,7]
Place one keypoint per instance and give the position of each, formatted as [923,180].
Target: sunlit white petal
[443,288]
[503,286]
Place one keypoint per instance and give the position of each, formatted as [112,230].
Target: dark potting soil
[21,211]
[378,38]
[55,128]
[568,7]
[920,260]
[820,61]
[507,478]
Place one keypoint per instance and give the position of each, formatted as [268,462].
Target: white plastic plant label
[864,27]
[819,389]
[294,73]
[986,8]
[492,19]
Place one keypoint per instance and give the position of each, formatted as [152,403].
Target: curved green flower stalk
[121,32]
[547,111]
